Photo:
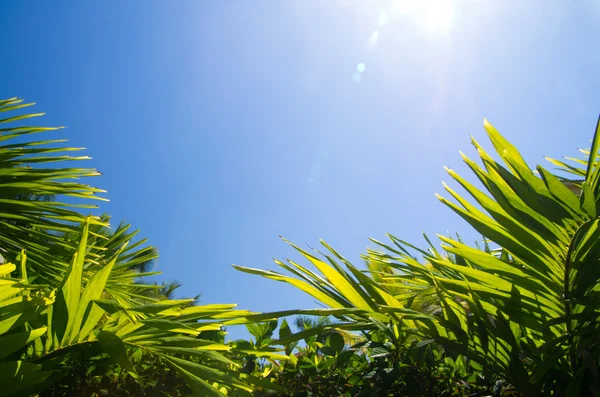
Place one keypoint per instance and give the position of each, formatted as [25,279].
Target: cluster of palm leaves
[525,307]
[71,290]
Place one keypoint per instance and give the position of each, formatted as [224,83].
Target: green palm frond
[80,319]
[77,296]
[577,167]
[348,294]
[529,314]
[527,310]
[132,259]
[38,200]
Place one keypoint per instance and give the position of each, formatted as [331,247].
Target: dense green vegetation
[516,316]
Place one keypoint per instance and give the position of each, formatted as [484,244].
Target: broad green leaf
[114,347]
[284,330]
[10,343]
[336,341]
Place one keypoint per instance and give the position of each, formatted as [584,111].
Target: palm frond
[36,199]
[526,310]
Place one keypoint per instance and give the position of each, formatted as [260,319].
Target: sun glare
[433,19]
[430,16]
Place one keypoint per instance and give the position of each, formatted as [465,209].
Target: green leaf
[344,357]
[10,343]
[20,376]
[208,373]
[71,289]
[309,289]
[336,341]
[92,291]
[7,269]
[115,348]
[284,330]
[379,352]
[263,383]
[345,288]
[574,387]
[328,351]
[199,386]
[591,171]
[588,203]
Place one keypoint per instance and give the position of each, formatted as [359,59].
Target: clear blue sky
[221,125]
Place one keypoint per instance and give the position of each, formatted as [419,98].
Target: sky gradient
[220,126]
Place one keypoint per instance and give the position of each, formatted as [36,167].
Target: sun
[429,16]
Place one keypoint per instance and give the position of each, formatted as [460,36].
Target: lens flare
[430,16]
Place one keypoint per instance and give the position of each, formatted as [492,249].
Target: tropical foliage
[525,310]
[517,315]
[329,364]
[75,302]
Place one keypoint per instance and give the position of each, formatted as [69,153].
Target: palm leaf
[37,201]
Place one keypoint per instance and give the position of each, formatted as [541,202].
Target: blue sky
[219,126]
